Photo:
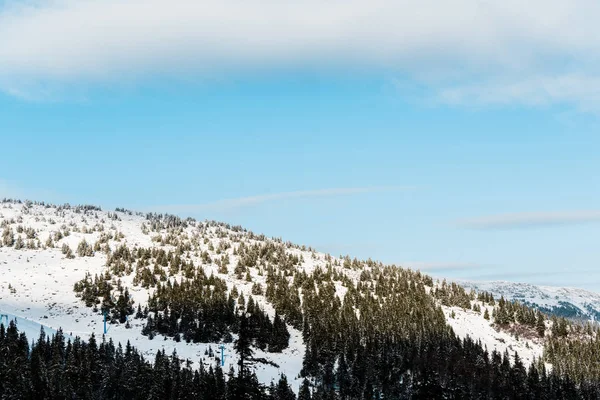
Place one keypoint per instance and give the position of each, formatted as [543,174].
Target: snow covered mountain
[560,301]
[37,280]
[48,250]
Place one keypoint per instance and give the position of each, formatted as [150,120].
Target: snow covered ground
[31,328]
[36,286]
[470,323]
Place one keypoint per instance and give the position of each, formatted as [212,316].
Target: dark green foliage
[196,308]
[304,393]
[389,338]
[540,324]
[509,312]
[282,390]
[383,336]
[202,311]
[99,291]
[53,369]
[453,295]
[574,350]
[243,343]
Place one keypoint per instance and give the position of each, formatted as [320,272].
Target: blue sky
[376,143]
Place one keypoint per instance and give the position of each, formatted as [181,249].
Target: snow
[588,303]
[30,328]
[470,323]
[36,287]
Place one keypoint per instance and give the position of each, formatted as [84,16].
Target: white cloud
[506,44]
[240,202]
[531,219]
[583,91]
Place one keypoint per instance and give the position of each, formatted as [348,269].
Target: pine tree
[540,325]
[244,352]
[283,391]
[304,393]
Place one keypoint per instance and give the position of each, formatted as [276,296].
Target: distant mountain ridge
[565,302]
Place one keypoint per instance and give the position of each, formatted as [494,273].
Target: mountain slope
[37,286]
[50,250]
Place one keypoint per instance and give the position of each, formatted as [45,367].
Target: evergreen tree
[540,325]
[304,393]
[282,391]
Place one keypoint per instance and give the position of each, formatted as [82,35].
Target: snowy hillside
[36,285]
[43,258]
[469,323]
[560,301]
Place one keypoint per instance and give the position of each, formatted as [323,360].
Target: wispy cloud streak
[531,219]
[581,90]
[240,202]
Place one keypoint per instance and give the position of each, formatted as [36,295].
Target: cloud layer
[531,219]
[467,50]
